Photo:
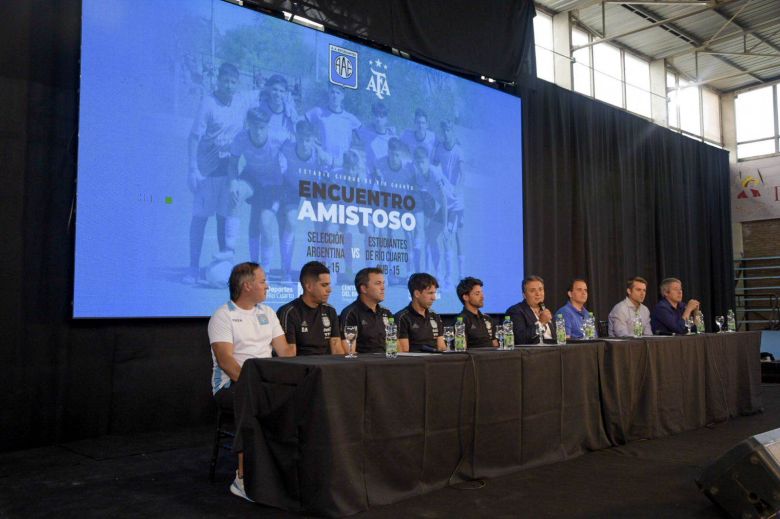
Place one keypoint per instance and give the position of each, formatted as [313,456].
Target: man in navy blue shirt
[669,315]
[574,312]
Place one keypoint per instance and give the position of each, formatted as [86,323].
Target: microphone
[542,307]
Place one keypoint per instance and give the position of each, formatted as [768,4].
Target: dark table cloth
[334,436]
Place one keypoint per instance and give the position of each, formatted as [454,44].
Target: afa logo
[343,69]
[378,83]
[749,185]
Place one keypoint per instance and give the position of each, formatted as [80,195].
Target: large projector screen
[211,134]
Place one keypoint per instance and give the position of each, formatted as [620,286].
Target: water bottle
[509,333]
[590,326]
[391,339]
[639,326]
[560,329]
[698,321]
[460,335]
[731,321]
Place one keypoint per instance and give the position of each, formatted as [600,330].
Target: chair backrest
[603,328]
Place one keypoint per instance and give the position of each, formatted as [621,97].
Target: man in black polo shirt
[419,328]
[366,313]
[310,322]
[480,328]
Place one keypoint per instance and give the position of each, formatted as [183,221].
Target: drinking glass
[719,320]
[688,325]
[500,338]
[350,335]
[449,336]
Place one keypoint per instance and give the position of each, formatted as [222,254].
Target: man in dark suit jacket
[526,313]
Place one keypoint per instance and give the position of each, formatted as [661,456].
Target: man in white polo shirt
[241,329]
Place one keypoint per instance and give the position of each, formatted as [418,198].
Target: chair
[603,328]
[225,421]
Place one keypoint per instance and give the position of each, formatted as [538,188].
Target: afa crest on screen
[378,83]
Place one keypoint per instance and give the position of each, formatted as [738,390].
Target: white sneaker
[237,488]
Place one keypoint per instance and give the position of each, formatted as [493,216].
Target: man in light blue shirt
[623,314]
[574,312]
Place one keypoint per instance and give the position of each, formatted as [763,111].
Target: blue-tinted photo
[211,135]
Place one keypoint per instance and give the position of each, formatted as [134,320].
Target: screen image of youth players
[218,121]
[419,135]
[334,125]
[255,159]
[376,135]
[182,118]
[298,160]
[277,100]
[448,155]
[351,173]
[432,191]
[397,176]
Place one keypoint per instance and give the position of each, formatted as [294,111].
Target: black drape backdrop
[491,38]
[609,196]
[66,380]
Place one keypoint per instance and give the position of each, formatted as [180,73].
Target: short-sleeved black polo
[480,329]
[310,329]
[421,330]
[370,323]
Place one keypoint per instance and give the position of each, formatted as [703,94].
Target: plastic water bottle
[509,333]
[639,326]
[560,329]
[391,339]
[460,335]
[590,326]
[698,321]
[731,322]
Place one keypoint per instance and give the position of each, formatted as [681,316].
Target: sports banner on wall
[755,189]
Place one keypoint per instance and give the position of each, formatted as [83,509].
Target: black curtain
[609,196]
[492,38]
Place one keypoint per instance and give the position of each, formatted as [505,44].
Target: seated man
[420,328]
[366,313]
[309,322]
[669,315]
[574,312]
[526,314]
[480,328]
[623,314]
[242,329]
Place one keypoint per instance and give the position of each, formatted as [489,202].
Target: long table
[333,436]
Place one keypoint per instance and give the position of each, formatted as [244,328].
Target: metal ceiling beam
[746,29]
[726,24]
[746,54]
[658,23]
[742,73]
[690,39]
[730,36]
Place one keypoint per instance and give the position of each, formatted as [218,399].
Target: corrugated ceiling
[726,45]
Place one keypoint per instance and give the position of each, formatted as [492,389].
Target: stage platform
[166,474]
